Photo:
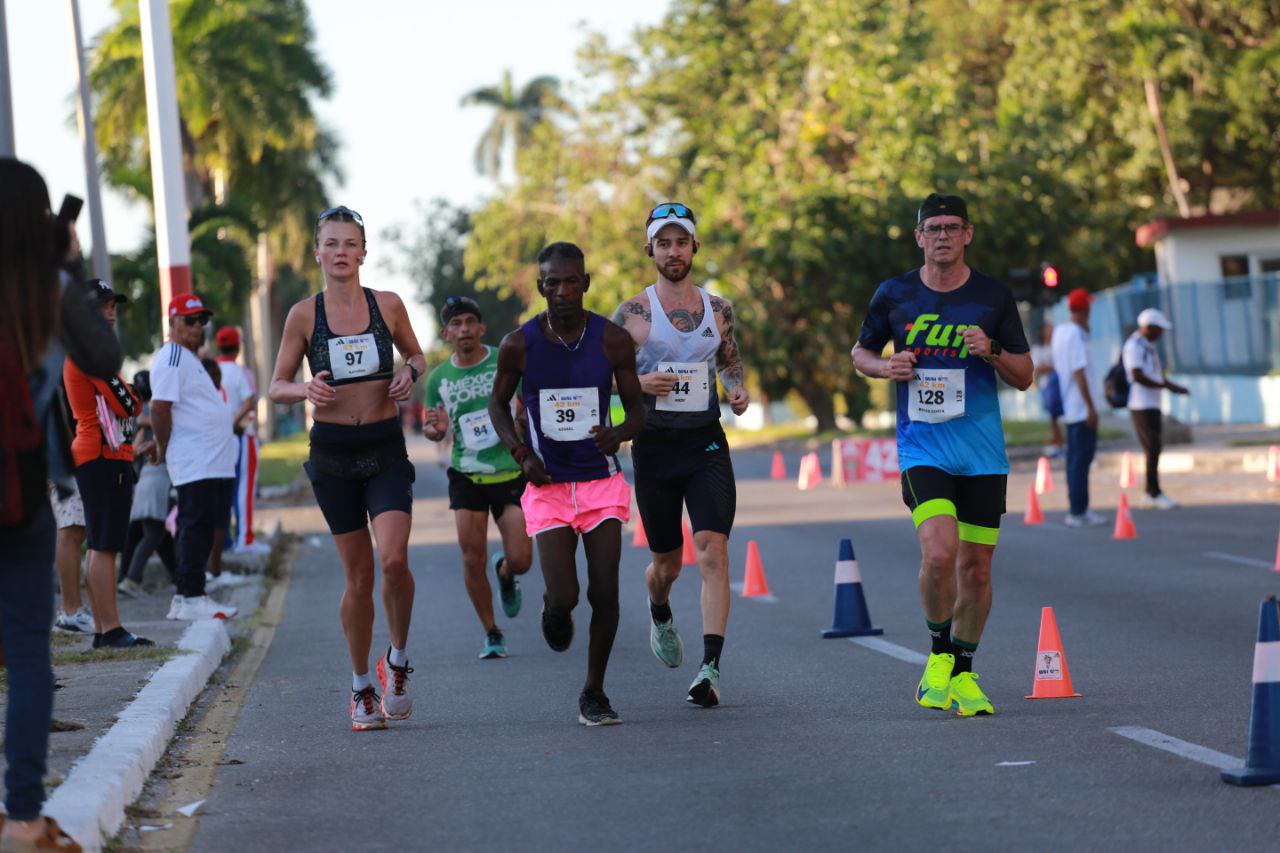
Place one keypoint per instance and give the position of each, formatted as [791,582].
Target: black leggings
[1149,426]
[556,554]
[147,536]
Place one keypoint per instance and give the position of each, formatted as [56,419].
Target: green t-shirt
[465,393]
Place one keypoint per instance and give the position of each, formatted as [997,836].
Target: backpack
[1115,385]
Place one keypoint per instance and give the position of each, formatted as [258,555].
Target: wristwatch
[413,371]
[996,349]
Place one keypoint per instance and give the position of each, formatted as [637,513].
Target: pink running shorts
[580,506]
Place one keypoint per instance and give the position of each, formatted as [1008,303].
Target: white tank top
[689,355]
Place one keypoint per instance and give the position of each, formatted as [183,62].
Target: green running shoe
[495,645]
[508,590]
[969,696]
[665,641]
[934,689]
[705,690]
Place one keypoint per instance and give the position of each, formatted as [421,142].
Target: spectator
[1050,391]
[147,533]
[192,425]
[1146,376]
[68,512]
[223,522]
[31,310]
[1080,391]
[243,398]
[103,453]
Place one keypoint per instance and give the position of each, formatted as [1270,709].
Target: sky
[400,68]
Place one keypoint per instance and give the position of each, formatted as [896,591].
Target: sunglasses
[668,209]
[341,211]
[460,300]
[196,319]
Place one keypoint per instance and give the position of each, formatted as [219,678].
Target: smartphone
[70,210]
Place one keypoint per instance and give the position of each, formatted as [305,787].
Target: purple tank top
[565,393]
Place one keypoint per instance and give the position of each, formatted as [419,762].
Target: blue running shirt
[949,415]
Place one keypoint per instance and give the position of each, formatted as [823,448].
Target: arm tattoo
[728,358]
[633,307]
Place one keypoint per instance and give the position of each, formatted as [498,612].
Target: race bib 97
[353,356]
[568,414]
[691,391]
[936,395]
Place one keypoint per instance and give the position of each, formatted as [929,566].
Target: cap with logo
[1079,299]
[671,213]
[101,291]
[1153,317]
[228,336]
[942,205]
[186,304]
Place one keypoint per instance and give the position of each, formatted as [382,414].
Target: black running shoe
[121,641]
[594,709]
[557,630]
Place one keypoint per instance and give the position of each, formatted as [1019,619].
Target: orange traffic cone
[1273,463]
[1124,521]
[688,557]
[1044,477]
[754,584]
[1052,679]
[639,539]
[810,471]
[838,478]
[779,469]
[1034,515]
[1277,568]
[1127,478]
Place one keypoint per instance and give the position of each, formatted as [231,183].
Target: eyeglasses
[671,208]
[951,229]
[196,319]
[343,211]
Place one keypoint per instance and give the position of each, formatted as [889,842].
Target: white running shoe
[174,606]
[397,704]
[366,714]
[1094,519]
[80,622]
[204,607]
[1163,501]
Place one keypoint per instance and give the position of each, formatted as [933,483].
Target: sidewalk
[102,740]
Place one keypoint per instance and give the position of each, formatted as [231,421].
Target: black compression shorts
[679,467]
[494,498]
[976,503]
[358,472]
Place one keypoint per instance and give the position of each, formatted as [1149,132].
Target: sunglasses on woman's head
[342,211]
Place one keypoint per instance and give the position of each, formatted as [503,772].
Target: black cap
[101,291]
[942,205]
[455,305]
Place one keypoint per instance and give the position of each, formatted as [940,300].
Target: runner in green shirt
[483,478]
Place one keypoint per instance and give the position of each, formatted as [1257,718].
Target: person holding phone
[359,468]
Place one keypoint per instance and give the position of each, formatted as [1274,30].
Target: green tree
[516,114]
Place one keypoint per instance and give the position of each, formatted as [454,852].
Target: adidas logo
[715,445]
[707,333]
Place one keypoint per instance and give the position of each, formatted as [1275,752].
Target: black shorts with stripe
[976,502]
[675,468]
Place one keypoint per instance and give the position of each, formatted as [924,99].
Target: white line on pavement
[1182,748]
[1244,561]
[893,650]
[1014,763]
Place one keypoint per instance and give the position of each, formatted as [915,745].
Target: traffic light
[1048,274]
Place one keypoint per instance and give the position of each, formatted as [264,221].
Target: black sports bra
[361,357]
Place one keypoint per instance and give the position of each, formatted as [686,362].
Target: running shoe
[203,607]
[594,709]
[934,689]
[495,645]
[366,711]
[174,606]
[125,641]
[80,622]
[508,590]
[968,696]
[665,641]
[397,704]
[130,588]
[705,690]
[557,630]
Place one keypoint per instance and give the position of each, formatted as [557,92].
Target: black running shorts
[976,503]
[494,498]
[675,468]
[106,488]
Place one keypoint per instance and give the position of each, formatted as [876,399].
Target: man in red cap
[1081,394]
[192,426]
[243,398]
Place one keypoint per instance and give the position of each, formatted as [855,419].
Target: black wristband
[413,371]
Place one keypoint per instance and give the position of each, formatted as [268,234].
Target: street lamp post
[84,119]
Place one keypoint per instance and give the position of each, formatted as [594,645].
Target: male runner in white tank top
[684,338]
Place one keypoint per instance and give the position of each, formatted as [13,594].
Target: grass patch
[280,461]
[158,653]
[1026,433]
[794,431]
[1250,442]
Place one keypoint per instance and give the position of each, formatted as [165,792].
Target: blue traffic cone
[1262,764]
[851,617]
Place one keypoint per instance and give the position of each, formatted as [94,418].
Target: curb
[90,804]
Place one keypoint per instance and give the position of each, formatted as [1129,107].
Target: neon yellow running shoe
[968,696]
[934,684]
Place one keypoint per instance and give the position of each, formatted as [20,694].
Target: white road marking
[1244,561]
[1013,763]
[1182,748]
[893,650]
[767,599]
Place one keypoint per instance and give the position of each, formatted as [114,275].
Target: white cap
[1153,317]
[658,224]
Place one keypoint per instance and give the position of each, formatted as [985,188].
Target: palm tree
[515,116]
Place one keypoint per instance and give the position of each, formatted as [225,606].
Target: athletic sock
[360,682]
[940,637]
[712,645]
[397,656]
[661,613]
[964,656]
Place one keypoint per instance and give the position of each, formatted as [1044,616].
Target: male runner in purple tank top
[568,359]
